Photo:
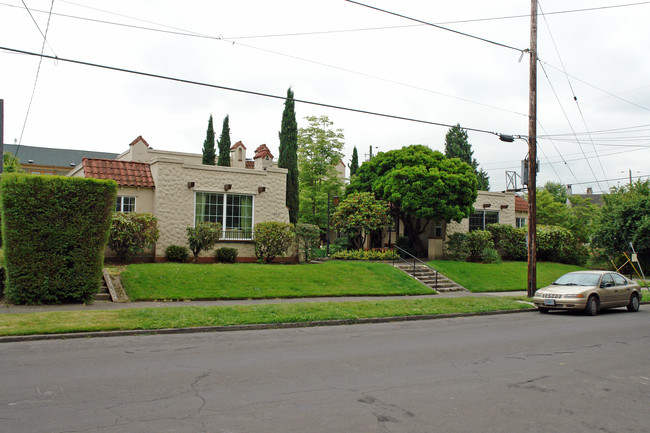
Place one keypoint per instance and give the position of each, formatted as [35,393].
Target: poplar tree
[224,144]
[289,155]
[208,145]
[354,163]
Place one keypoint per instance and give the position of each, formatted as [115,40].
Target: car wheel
[592,306]
[542,310]
[633,305]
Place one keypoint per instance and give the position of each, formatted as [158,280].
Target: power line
[249,92]
[439,27]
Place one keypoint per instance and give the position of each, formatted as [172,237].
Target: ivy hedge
[54,230]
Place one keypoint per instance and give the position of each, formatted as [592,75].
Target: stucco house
[489,208]
[180,191]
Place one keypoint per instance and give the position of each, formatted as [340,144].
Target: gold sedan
[590,291]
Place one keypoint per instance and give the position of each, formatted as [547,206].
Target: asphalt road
[528,372]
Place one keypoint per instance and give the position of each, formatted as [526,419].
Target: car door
[623,289]
[607,291]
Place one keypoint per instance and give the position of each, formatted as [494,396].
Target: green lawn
[499,277]
[185,317]
[174,281]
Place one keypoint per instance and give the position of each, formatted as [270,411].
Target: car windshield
[577,279]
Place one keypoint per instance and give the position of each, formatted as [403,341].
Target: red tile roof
[521,205]
[139,139]
[236,145]
[250,164]
[262,151]
[125,173]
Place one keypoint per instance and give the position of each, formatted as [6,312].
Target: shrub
[308,236]
[54,229]
[477,241]
[457,247]
[203,236]
[272,239]
[341,243]
[557,244]
[490,255]
[374,254]
[131,233]
[509,242]
[177,253]
[226,254]
[405,243]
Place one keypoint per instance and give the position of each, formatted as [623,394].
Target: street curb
[255,327]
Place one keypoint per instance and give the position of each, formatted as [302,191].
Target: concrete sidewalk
[16,309]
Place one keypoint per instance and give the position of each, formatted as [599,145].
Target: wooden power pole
[532,155]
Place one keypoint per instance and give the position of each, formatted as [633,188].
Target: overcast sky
[338,53]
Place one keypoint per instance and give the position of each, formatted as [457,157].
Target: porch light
[486,205]
[261,189]
[227,187]
[190,185]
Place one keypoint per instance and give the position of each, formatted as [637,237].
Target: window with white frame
[233,211]
[520,222]
[482,218]
[125,204]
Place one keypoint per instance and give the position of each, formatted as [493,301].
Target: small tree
[203,236]
[272,239]
[360,214]
[224,144]
[11,163]
[131,233]
[308,236]
[208,145]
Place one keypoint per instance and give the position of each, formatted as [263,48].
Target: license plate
[549,301]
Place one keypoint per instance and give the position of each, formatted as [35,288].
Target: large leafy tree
[625,218]
[557,190]
[354,162]
[421,186]
[289,155]
[208,145]
[457,146]
[578,215]
[360,214]
[319,151]
[224,144]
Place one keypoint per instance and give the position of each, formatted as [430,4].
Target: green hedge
[377,254]
[54,230]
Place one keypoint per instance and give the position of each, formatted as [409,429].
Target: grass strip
[185,317]
[500,277]
[174,281]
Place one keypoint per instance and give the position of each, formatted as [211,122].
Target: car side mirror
[604,285]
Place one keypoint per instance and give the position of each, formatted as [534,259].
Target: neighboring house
[50,161]
[180,191]
[489,208]
[596,199]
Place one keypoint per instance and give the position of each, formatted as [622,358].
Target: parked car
[589,291]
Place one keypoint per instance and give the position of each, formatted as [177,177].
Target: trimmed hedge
[226,254]
[54,230]
[177,253]
[377,254]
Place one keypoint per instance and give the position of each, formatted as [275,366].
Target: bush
[131,233]
[476,242]
[203,236]
[308,236]
[490,255]
[405,243]
[457,247]
[54,230]
[375,254]
[509,241]
[342,243]
[177,253]
[272,239]
[557,244]
[226,255]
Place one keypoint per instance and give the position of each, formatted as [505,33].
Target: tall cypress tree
[208,145]
[457,146]
[289,154]
[224,144]
[354,163]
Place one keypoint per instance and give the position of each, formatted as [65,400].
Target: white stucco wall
[174,201]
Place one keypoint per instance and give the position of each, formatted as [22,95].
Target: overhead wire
[38,72]
[575,98]
[249,92]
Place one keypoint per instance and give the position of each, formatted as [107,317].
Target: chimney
[590,191]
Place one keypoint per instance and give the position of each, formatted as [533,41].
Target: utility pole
[2,134]
[532,155]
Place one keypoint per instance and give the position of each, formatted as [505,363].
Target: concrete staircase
[431,278]
[103,295]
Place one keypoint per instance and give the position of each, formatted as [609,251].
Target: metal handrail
[416,261]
